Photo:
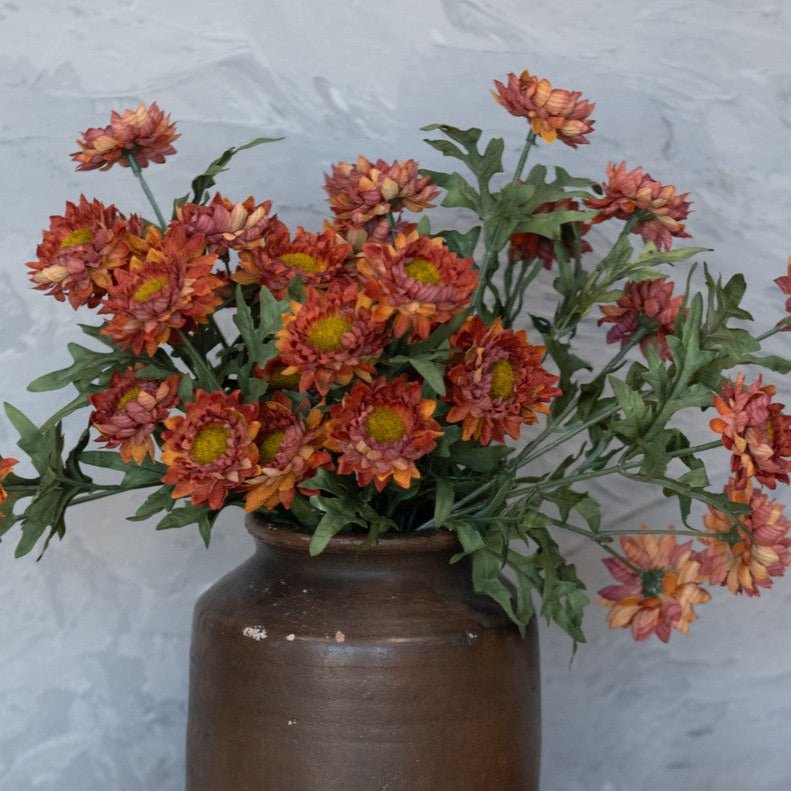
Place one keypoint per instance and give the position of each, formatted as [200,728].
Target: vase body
[359,670]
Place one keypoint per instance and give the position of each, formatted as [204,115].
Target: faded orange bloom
[658,591]
[6,465]
[361,192]
[418,280]
[330,339]
[756,432]
[497,383]
[146,132]
[662,209]
[317,259]
[526,246]
[211,451]
[80,250]
[128,412]
[226,225]
[380,430]
[749,555]
[651,299]
[168,286]
[553,113]
[784,283]
[290,450]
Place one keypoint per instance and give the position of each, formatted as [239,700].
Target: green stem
[100,495]
[520,165]
[783,325]
[218,331]
[202,369]
[130,157]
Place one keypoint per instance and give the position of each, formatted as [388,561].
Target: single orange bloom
[6,465]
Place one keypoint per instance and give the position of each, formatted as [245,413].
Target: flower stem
[520,165]
[779,327]
[203,370]
[130,157]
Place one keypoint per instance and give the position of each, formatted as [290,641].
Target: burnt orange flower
[330,339]
[318,259]
[527,246]
[80,250]
[658,591]
[211,451]
[127,413]
[661,209]
[749,555]
[168,286]
[418,280]
[784,283]
[650,299]
[756,432]
[497,383]
[380,430]
[363,191]
[226,225]
[290,448]
[553,113]
[146,132]
[6,465]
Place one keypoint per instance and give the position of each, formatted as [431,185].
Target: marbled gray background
[93,640]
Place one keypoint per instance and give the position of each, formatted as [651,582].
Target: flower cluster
[374,373]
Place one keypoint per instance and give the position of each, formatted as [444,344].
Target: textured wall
[93,640]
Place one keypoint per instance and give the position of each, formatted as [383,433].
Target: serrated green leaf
[432,372]
[160,500]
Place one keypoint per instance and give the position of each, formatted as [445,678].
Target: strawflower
[147,133]
[330,338]
[658,587]
[211,451]
[418,280]
[649,299]
[290,451]
[128,412]
[553,113]
[80,250]
[497,382]
[381,429]
[755,430]
[661,211]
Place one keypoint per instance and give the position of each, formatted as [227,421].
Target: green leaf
[486,458]
[443,503]
[338,514]
[160,500]
[104,458]
[432,372]
[184,515]
[459,192]
[780,365]
[462,244]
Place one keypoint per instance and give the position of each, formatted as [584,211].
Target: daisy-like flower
[211,451]
[662,210]
[553,113]
[652,299]
[364,191]
[784,284]
[526,246]
[226,225]
[127,413]
[290,448]
[747,559]
[6,465]
[756,432]
[380,430]
[330,339]
[168,286]
[80,250]
[318,259]
[658,591]
[147,133]
[497,383]
[418,280]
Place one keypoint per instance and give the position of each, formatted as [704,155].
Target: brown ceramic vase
[372,670]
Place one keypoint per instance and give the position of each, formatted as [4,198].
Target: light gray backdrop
[94,639]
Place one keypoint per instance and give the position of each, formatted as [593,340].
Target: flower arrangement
[370,376]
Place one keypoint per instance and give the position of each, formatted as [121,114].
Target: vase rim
[291,540]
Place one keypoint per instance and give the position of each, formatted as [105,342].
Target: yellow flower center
[271,445]
[303,261]
[149,288]
[80,236]
[423,271]
[129,395]
[210,443]
[326,334]
[503,378]
[384,424]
